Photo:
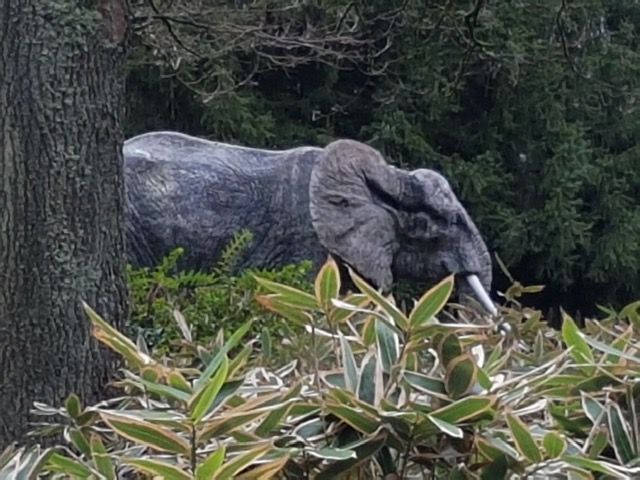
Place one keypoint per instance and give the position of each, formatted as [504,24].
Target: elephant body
[388,224]
[188,192]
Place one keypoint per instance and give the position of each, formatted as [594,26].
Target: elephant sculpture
[386,223]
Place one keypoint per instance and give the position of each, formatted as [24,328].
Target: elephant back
[194,193]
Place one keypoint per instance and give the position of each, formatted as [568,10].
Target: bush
[379,394]
[221,298]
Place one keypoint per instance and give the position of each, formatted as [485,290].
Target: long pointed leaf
[573,337]
[265,471]
[217,360]
[147,433]
[290,295]
[523,439]
[327,284]
[446,427]
[202,401]
[431,302]
[387,342]
[349,365]
[376,297]
[156,467]
[211,464]
[233,467]
[620,435]
[465,409]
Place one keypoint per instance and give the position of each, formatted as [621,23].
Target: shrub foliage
[379,394]
[210,300]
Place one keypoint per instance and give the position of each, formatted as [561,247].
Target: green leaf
[340,315]
[165,391]
[23,463]
[465,409]
[265,471]
[446,427]
[461,376]
[590,464]
[593,384]
[230,421]
[387,342]
[365,449]
[156,467]
[496,470]
[376,297]
[592,408]
[349,364]
[116,340]
[232,467]
[426,384]
[273,420]
[367,382]
[101,458]
[361,421]
[331,453]
[448,348]
[554,444]
[69,466]
[619,345]
[227,391]
[611,350]
[493,447]
[431,302]
[266,343]
[203,400]
[523,439]
[599,441]
[211,464]
[176,380]
[290,295]
[221,354]
[146,433]
[632,313]
[369,331]
[620,435]
[327,284]
[489,451]
[73,406]
[276,304]
[573,337]
[79,441]
[182,325]
[483,379]
[310,428]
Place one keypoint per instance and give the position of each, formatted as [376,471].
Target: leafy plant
[221,297]
[380,393]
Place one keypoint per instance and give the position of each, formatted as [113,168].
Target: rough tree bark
[61,198]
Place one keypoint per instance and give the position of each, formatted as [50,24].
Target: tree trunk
[61,199]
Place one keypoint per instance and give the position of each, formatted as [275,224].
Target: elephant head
[390,224]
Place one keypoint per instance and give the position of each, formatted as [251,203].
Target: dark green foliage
[530,108]
[222,298]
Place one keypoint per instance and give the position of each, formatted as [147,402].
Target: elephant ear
[353,199]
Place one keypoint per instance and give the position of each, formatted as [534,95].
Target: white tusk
[482,294]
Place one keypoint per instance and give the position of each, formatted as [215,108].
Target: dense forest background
[531,108]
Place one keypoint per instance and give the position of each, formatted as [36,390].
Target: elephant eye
[338,201]
[439,216]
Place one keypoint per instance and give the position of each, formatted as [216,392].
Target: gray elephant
[388,224]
